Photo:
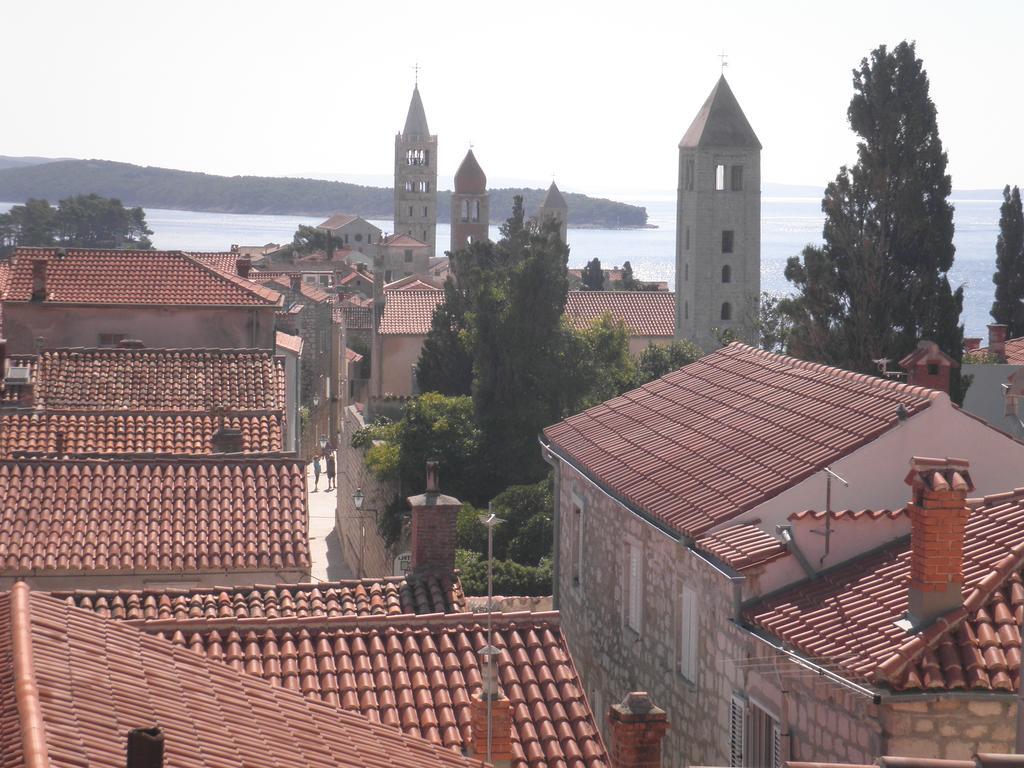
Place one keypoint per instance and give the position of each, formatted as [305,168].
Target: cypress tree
[593,276]
[1008,308]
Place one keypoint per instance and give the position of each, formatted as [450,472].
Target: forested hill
[184,190]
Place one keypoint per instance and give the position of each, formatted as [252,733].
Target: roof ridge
[104,591]
[176,459]
[26,690]
[254,288]
[138,350]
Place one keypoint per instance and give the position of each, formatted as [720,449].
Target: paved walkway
[324,546]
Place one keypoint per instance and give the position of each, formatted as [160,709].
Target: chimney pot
[938,519]
[972,344]
[501,729]
[145,748]
[243,266]
[432,481]
[997,341]
[638,728]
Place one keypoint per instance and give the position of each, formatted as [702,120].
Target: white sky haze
[597,93]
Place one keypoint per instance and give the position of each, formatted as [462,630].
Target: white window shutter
[635,591]
[737,731]
[689,635]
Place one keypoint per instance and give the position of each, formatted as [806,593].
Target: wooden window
[736,178]
[689,635]
[764,739]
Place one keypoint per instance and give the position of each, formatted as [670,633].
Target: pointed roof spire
[721,122]
[554,199]
[416,120]
[470,179]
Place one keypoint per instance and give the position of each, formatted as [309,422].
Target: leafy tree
[85,221]
[510,578]
[445,364]
[658,360]
[597,365]
[628,282]
[879,283]
[1008,307]
[593,276]
[773,323]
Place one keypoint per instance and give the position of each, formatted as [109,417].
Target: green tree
[34,223]
[628,282]
[658,360]
[91,221]
[880,281]
[597,364]
[445,364]
[593,276]
[1008,307]
[773,323]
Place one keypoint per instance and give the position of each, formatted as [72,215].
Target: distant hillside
[6,161]
[184,190]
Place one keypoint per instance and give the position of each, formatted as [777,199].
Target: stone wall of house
[953,728]
[378,560]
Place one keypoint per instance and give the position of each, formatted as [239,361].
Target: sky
[594,94]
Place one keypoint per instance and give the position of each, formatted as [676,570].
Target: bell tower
[718,224]
[416,176]
[470,205]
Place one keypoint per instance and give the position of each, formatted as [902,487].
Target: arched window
[726,311]
[726,274]
[476,210]
[464,215]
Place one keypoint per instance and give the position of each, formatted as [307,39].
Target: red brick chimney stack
[296,281]
[928,366]
[501,717]
[243,266]
[433,526]
[972,343]
[39,280]
[638,728]
[938,518]
[997,341]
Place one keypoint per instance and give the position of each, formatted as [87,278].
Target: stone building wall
[950,727]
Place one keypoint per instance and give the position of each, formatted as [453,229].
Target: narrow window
[688,635]
[687,238]
[933,369]
[464,215]
[577,563]
[634,612]
[424,211]
[410,210]
[686,272]
[346,238]
[476,210]
[726,274]
[424,235]
[726,311]
[719,177]
[688,176]
[408,254]
[408,186]
[736,178]
[387,276]
[727,240]
[686,310]
[763,739]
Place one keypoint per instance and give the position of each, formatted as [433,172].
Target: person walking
[316,472]
[329,463]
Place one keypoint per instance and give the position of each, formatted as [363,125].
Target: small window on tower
[476,210]
[464,212]
[686,310]
[686,271]
[727,240]
[410,210]
[727,311]
[408,186]
[726,274]
[408,254]
[719,177]
[424,211]
[688,175]
[736,178]
[687,238]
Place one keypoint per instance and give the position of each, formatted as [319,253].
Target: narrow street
[324,547]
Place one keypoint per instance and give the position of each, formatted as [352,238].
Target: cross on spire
[723,56]
[416,73]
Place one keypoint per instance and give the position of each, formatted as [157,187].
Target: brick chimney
[997,341]
[972,343]
[938,517]
[928,366]
[228,440]
[637,730]
[39,280]
[243,266]
[295,279]
[433,526]
[501,716]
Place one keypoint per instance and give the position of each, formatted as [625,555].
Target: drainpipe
[556,524]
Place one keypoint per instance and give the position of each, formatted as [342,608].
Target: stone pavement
[324,546]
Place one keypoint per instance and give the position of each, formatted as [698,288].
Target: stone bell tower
[470,205]
[718,224]
[416,176]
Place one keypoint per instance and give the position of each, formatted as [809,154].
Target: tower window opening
[464,213]
[727,240]
[424,211]
[422,186]
[686,310]
[719,177]
[416,157]
[408,186]
[410,210]
[736,178]
[476,210]
[687,238]
[726,311]
[726,274]
[686,271]
[688,175]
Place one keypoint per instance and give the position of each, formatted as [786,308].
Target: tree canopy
[879,283]
[85,221]
[593,276]
[1008,307]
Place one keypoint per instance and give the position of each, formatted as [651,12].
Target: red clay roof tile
[721,435]
[83,682]
[281,281]
[85,276]
[181,514]
[644,313]
[742,546]
[409,312]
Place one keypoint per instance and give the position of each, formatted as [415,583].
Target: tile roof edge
[269,297]
[143,350]
[169,458]
[26,690]
[851,514]
[397,622]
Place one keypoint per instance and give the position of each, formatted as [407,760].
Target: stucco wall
[398,355]
[168,327]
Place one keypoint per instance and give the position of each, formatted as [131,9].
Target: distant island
[149,187]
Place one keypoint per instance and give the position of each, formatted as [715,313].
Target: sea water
[787,225]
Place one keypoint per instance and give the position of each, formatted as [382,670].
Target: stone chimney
[637,730]
[39,280]
[433,527]
[928,366]
[228,440]
[997,341]
[501,716]
[938,518]
[972,343]
[243,265]
[296,281]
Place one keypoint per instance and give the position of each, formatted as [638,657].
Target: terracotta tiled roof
[1014,352]
[848,514]
[337,221]
[413,283]
[354,316]
[416,673]
[846,617]
[409,313]
[402,241]
[73,684]
[131,277]
[289,342]
[182,514]
[281,281]
[110,433]
[355,275]
[645,313]
[159,379]
[721,435]
[742,546]
[5,276]
[388,596]
[223,261]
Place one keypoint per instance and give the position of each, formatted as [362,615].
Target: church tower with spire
[554,207]
[416,176]
[718,225]
[470,205]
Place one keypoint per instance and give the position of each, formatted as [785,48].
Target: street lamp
[358,498]
[323,443]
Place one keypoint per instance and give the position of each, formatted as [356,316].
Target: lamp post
[323,443]
[490,652]
[358,499]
